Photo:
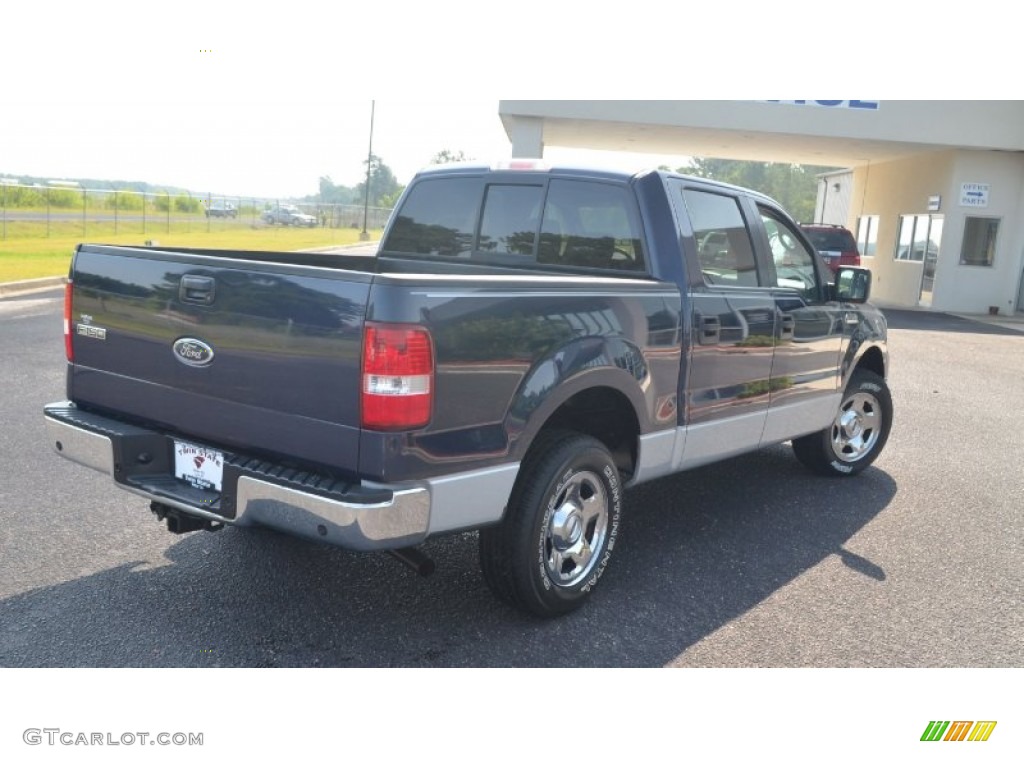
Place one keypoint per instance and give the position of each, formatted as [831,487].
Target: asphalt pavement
[751,562]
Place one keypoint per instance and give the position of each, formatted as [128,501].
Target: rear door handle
[197,289]
[710,330]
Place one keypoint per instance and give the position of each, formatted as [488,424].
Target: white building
[936,188]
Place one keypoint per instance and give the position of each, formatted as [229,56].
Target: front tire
[858,432]
[559,530]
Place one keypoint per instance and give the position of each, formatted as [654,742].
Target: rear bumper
[350,515]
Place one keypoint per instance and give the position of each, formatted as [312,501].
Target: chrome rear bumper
[360,518]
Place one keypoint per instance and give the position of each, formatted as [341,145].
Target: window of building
[867,235]
[919,237]
[724,249]
[979,246]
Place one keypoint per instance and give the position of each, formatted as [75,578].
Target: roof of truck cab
[472,168]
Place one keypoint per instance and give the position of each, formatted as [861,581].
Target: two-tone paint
[661,364]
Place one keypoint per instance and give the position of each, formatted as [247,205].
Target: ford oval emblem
[193,352]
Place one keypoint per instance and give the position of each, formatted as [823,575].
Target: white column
[527,135]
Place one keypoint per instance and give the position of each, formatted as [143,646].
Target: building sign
[973,195]
[841,104]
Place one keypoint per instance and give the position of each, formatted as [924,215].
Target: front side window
[724,249]
[979,246]
[794,263]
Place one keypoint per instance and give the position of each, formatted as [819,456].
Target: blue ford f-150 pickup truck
[527,343]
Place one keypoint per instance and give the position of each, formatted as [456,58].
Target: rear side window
[566,223]
[587,224]
[724,249]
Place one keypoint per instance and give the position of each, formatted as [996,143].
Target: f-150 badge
[193,352]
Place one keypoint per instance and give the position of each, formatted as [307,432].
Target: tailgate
[258,356]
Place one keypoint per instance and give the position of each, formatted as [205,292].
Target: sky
[251,145]
[219,98]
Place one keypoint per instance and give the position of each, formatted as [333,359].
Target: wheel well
[872,361]
[606,415]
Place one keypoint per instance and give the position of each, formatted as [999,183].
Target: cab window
[724,250]
[794,263]
[590,224]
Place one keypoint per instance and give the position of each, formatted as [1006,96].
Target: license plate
[200,467]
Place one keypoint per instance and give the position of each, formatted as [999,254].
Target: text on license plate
[200,467]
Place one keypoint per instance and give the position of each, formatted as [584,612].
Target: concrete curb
[31,286]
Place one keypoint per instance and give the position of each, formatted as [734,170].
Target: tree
[793,186]
[383,184]
[390,201]
[334,193]
[448,156]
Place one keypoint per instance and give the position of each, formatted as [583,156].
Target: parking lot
[916,563]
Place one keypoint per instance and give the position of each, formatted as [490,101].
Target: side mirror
[853,285]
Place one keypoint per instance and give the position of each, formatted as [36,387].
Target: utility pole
[364,235]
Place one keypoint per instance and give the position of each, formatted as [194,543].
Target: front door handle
[787,326]
[710,330]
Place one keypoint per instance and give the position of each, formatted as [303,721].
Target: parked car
[289,215]
[221,211]
[837,245]
[527,343]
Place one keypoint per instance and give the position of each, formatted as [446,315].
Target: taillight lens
[69,348]
[398,377]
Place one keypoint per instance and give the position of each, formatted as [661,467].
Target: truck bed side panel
[507,348]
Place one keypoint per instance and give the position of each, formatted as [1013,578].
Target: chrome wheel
[857,427]
[576,529]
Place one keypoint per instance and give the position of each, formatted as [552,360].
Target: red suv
[836,244]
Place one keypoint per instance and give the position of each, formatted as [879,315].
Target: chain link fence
[70,211]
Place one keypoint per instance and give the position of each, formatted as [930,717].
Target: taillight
[850,259]
[69,348]
[398,377]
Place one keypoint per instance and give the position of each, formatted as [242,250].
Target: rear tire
[559,530]
[858,432]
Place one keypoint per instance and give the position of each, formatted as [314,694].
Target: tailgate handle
[197,289]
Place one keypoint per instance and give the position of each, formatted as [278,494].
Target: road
[94,217]
[749,563]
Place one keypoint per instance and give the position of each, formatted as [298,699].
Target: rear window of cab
[556,223]
[831,239]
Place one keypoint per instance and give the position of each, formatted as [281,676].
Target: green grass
[23,257]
